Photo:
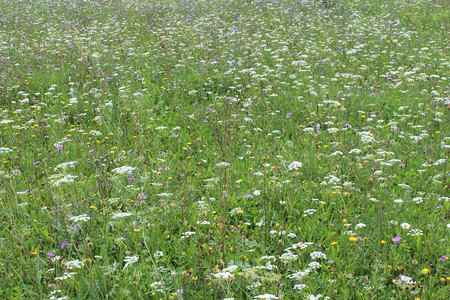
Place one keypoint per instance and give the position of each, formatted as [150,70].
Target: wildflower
[314,265]
[123,170]
[443,258]
[130,260]
[158,254]
[287,257]
[426,271]
[223,275]
[142,196]
[64,244]
[415,232]
[266,297]
[295,165]
[50,255]
[317,255]
[397,239]
[405,225]
[334,243]
[74,228]
[74,264]
[79,218]
[5,150]
[352,239]
[360,225]
[121,215]
[300,286]
[65,179]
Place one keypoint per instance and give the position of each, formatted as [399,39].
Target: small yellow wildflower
[426,271]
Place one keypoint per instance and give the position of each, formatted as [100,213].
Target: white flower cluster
[124,170]
[74,264]
[295,165]
[80,218]
[130,260]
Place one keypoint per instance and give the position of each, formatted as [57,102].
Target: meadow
[218,149]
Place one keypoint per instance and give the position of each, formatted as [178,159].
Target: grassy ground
[224,149]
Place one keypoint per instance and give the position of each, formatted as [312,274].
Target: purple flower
[443,258]
[59,148]
[249,196]
[64,244]
[36,163]
[401,165]
[50,255]
[142,196]
[288,115]
[397,239]
[372,94]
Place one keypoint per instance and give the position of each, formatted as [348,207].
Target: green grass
[224,149]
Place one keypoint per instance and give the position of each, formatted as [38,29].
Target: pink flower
[397,239]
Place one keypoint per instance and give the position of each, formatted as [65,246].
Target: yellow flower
[426,271]
[344,221]
[352,239]
[34,253]
[334,243]
[136,230]
[383,242]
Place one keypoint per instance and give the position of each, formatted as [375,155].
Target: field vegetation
[218,149]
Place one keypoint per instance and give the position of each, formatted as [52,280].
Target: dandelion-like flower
[405,225]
